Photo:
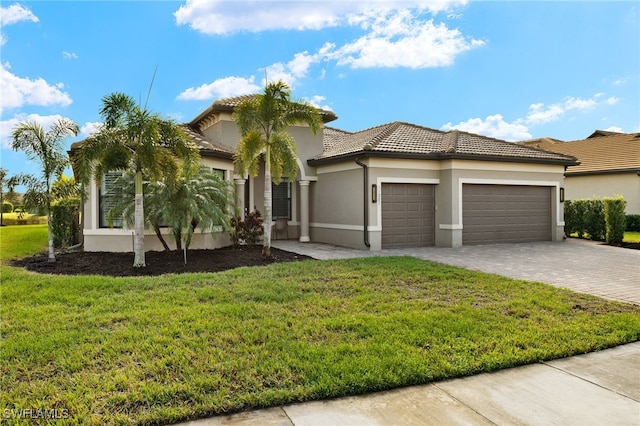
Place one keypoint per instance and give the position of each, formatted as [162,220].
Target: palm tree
[132,138]
[47,149]
[10,183]
[196,198]
[263,121]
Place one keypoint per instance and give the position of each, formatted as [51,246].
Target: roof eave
[438,156]
[603,172]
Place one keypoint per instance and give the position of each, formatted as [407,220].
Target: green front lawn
[176,347]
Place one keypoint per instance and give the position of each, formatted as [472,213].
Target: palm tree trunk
[268,216]
[138,242]
[52,255]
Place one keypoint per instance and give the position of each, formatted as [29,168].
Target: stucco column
[240,196]
[304,211]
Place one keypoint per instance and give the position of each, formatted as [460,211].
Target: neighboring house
[395,185]
[609,166]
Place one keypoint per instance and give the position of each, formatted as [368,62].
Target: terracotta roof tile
[601,152]
[204,144]
[399,138]
[230,104]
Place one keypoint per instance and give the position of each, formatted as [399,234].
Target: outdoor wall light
[562,195]
[374,193]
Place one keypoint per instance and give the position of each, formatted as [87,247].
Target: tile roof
[230,104]
[601,152]
[206,146]
[398,139]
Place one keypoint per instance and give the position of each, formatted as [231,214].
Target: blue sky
[511,70]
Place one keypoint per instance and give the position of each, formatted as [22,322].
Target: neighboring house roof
[404,140]
[602,152]
[230,104]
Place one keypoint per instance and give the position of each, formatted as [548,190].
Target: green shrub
[7,207]
[581,206]
[633,223]
[247,231]
[594,221]
[65,222]
[615,219]
[570,221]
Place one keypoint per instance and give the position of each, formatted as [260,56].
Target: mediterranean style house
[609,166]
[394,185]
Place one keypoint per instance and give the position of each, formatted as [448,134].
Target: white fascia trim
[381,180]
[480,181]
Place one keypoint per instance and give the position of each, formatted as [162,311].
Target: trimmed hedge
[7,207]
[65,222]
[586,218]
[615,217]
[589,219]
[633,223]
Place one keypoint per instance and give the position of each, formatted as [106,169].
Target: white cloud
[402,40]
[12,15]
[225,17]
[221,88]
[614,129]
[18,91]
[69,55]
[611,100]
[6,126]
[90,127]
[16,13]
[493,126]
[540,114]
[577,103]
[317,101]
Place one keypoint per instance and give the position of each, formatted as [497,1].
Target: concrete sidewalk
[599,388]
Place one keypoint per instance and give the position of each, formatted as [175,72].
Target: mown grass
[631,237]
[175,347]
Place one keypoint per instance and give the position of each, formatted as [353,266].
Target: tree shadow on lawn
[158,263]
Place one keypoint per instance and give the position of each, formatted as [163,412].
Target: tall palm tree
[263,121]
[132,138]
[46,148]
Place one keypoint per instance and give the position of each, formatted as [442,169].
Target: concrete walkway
[579,265]
[599,388]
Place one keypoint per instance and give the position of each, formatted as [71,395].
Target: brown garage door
[408,215]
[505,214]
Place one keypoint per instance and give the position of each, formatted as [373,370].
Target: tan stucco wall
[605,185]
[120,240]
[337,215]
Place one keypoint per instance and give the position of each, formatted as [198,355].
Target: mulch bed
[157,263]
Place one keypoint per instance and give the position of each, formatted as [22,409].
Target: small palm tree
[263,121]
[132,138]
[196,198]
[46,148]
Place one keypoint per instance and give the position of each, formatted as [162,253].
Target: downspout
[365,173]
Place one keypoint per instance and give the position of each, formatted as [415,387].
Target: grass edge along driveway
[158,350]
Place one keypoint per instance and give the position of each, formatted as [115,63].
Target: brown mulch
[157,263]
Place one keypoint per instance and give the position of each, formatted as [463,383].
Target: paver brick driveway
[579,265]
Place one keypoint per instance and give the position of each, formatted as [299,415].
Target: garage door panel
[505,213]
[409,217]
